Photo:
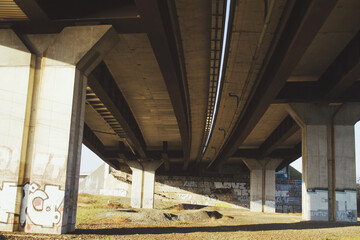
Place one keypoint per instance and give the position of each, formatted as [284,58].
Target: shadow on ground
[252,227]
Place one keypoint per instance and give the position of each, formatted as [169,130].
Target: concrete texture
[50,142]
[103,181]
[262,184]
[252,41]
[333,35]
[143,183]
[60,116]
[194,20]
[134,67]
[16,71]
[231,192]
[328,160]
[288,197]
[149,183]
[42,109]
[137,184]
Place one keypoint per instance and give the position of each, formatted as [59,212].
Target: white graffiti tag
[7,201]
[43,206]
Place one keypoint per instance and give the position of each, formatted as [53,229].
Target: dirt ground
[190,222]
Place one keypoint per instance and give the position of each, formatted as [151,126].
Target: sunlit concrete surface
[176,88]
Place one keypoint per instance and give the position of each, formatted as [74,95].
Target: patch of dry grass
[90,206]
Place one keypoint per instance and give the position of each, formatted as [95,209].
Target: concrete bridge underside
[181,87]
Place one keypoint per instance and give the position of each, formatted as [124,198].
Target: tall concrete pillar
[262,184]
[137,184]
[329,178]
[16,81]
[52,153]
[143,183]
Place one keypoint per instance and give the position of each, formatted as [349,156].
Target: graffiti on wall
[190,184]
[44,206]
[185,196]
[7,202]
[346,206]
[233,185]
[228,191]
[39,207]
[234,193]
[203,191]
[288,198]
[9,160]
[318,200]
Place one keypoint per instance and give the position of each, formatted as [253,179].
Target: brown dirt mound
[194,216]
[184,206]
[115,205]
[214,215]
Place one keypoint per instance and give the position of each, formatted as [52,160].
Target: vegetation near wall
[295,174]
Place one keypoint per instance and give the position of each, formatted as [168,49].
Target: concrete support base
[329,179]
[42,116]
[262,184]
[143,183]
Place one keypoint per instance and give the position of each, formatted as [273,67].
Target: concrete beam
[32,9]
[104,86]
[122,25]
[307,92]
[256,153]
[288,159]
[339,77]
[304,22]
[165,156]
[94,144]
[47,18]
[344,71]
[286,129]
[164,35]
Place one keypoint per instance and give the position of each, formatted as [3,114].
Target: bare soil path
[180,222]
[243,225]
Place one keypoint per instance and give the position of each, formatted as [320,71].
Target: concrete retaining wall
[226,192]
[104,182]
[288,198]
[204,190]
[212,191]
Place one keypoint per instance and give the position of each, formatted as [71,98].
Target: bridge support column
[16,80]
[143,183]
[49,123]
[328,153]
[262,184]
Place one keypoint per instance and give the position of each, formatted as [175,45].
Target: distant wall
[212,191]
[288,197]
[104,182]
[228,192]
[93,182]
